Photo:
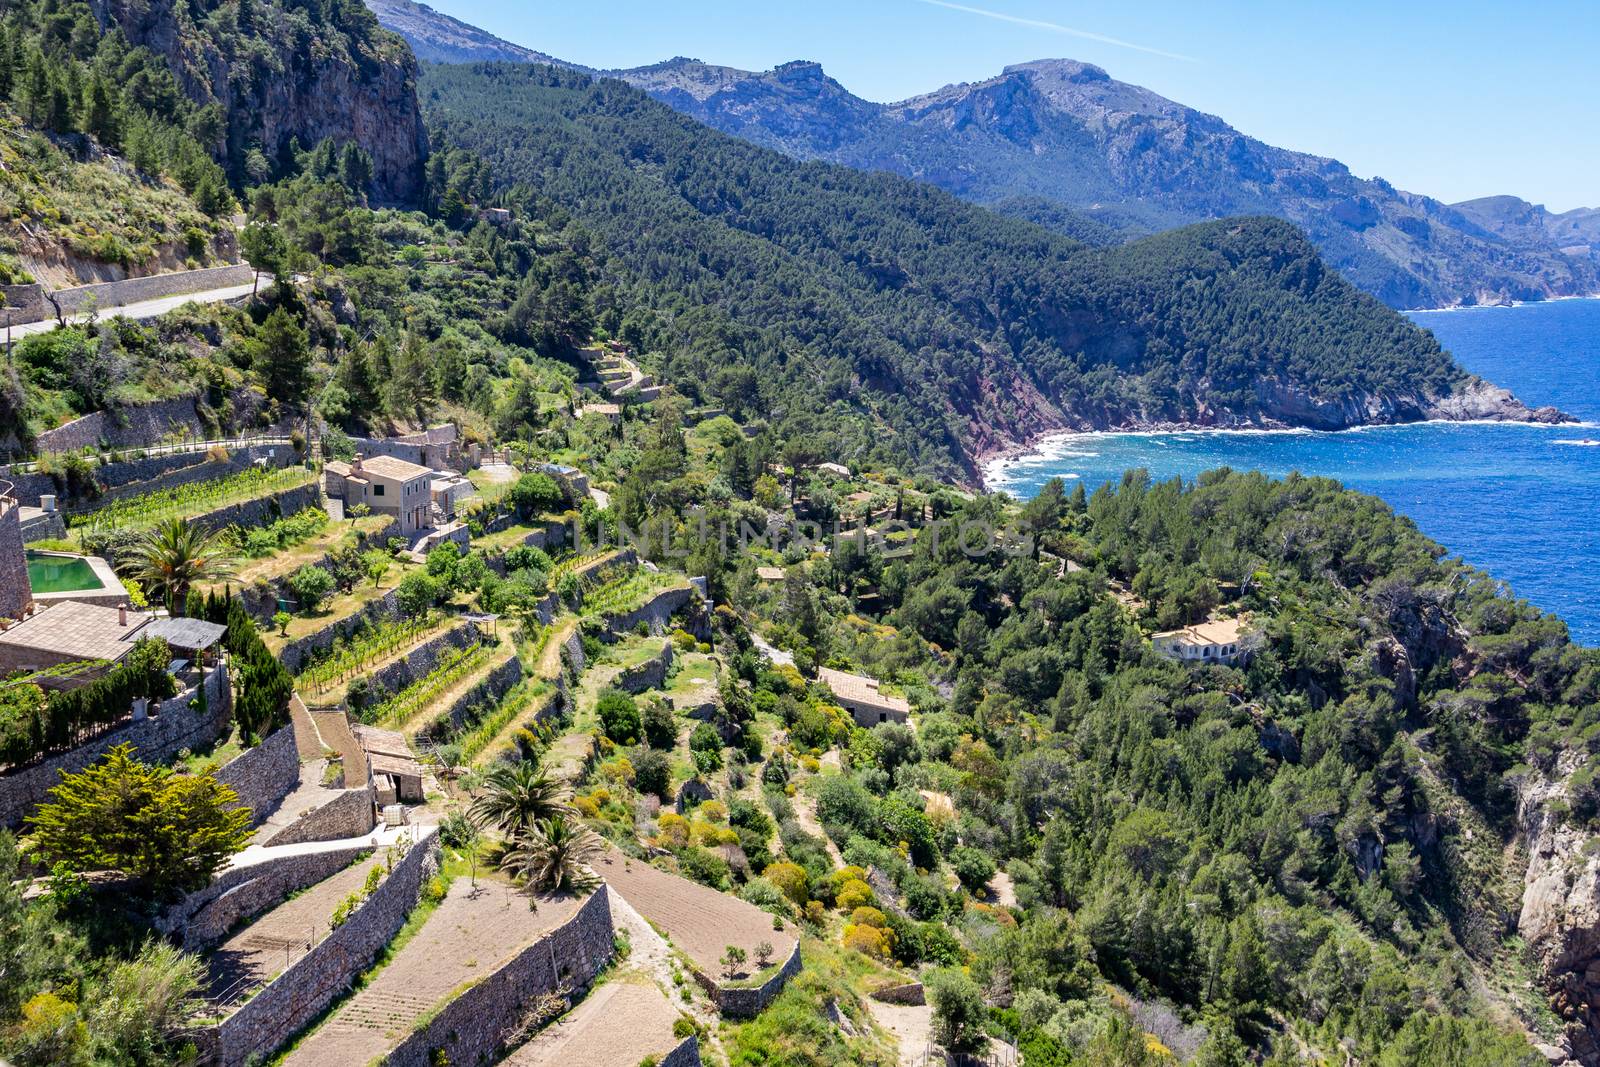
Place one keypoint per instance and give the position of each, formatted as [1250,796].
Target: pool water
[60,574]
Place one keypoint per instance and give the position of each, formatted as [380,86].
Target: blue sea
[1521,502]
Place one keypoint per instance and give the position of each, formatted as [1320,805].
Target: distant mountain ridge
[437,38]
[1121,160]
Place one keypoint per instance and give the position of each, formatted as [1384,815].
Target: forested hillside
[125,129]
[811,292]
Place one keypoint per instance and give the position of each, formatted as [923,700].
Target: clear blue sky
[1455,100]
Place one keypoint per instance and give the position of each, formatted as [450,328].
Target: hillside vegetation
[853,303]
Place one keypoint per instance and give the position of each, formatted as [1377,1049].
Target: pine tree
[100,119]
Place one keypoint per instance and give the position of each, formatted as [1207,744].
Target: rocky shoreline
[1286,409]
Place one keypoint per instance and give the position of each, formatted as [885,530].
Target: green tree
[515,797]
[266,249]
[958,1011]
[175,556]
[311,586]
[171,832]
[619,716]
[281,354]
[554,855]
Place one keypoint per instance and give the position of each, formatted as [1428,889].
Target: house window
[883,716]
[377,489]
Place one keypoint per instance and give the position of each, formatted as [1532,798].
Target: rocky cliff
[1560,916]
[282,78]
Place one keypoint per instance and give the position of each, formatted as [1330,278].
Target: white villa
[1214,641]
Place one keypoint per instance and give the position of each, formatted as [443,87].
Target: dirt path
[805,813]
[468,937]
[911,1025]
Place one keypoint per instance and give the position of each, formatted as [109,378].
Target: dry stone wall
[135,476]
[416,664]
[348,813]
[151,287]
[14,588]
[687,1054]
[744,1002]
[474,1027]
[489,691]
[172,727]
[658,613]
[206,918]
[651,674]
[301,993]
[296,652]
[263,511]
[142,425]
[264,775]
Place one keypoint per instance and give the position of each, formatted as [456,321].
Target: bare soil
[469,936]
[700,921]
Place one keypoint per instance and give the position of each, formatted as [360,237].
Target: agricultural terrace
[187,501]
[271,553]
[700,921]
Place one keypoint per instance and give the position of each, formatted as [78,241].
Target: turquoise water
[1522,502]
[60,574]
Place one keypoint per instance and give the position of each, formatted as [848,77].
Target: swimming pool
[51,573]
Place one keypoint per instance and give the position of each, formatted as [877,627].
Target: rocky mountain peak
[1065,69]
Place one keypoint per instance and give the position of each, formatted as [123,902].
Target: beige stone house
[71,632]
[861,696]
[387,485]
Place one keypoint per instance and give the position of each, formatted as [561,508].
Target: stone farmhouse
[387,485]
[72,632]
[862,697]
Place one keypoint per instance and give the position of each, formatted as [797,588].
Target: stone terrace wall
[26,303]
[263,511]
[265,774]
[143,425]
[128,427]
[743,1002]
[299,994]
[134,476]
[14,592]
[496,685]
[174,726]
[349,813]
[472,1028]
[151,287]
[547,535]
[651,674]
[205,919]
[296,651]
[416,664]
[687,1054]
[909,993]
[657,614]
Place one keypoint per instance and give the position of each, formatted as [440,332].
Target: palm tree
[518,796]
[554,855]
[175,555]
